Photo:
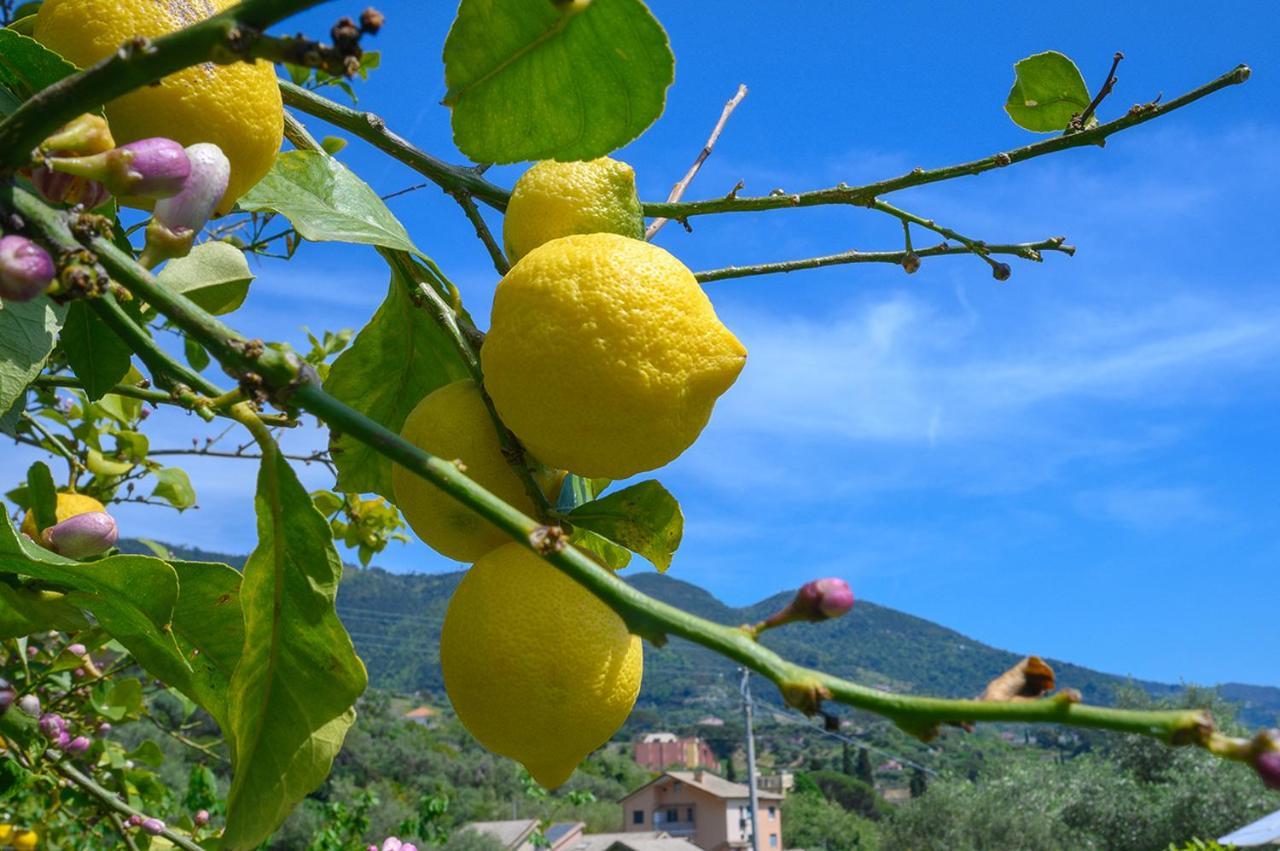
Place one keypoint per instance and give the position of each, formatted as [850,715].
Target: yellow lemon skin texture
[536,667]
[68,506]
[554,199]
[605,356]
[236,107]
[453,423]
[26,840]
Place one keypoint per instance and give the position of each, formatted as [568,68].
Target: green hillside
[395,621]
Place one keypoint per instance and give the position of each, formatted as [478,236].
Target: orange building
[660,751]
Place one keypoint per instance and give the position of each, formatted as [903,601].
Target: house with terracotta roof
[519,834]
[660,751]
[711,812]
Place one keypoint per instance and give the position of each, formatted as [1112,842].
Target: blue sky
[1078,462]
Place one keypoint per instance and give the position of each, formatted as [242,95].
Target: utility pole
[751,759]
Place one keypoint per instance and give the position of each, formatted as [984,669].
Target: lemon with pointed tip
[605,356]
[235,106]
[453,422]
[68,505]
[554,199]
[537,668]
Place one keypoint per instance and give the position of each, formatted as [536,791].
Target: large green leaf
[132,598]
[97,355]
[28,331]
[215,275]
[535,79]
[325,202]
[209,626]
[24,611]
[395,360]
[26,67]
[173,485]
[292,693]
[1048,90]
[644,517]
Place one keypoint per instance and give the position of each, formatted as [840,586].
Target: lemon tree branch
[290,381]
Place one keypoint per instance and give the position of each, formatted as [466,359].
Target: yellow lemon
[236,107]
[554,199]
[604,356]
[6,834]
[26,840]
[454,423]
[537,668]
[69,505]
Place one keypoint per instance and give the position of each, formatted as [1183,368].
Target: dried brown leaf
[1029,679]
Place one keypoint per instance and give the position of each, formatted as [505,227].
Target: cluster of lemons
[604,357]
[17,838]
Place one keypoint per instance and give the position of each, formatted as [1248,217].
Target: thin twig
[1025,250]
[110,799]
[974,246]
[1082,121]
[677,191]
[73,460]
[482,231]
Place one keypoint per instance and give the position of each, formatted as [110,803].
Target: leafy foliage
[566,81]
[1048,90]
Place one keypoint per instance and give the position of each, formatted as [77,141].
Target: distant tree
[862,771]
[846,759]
[850,793]
[730,770]
[918,783]
[812,822]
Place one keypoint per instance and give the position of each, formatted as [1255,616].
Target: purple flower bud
[7,696]
[104,729]
[152,826]
[30,705]
[83,535]
[1267,764]
[408,846]
[824,598]
[203,189]
[1001,271]
[372,847]
[59,188]
[62,740]
[391,843]
[77,649]
[135,820]
[51,724]
[148,168]
[79,745]
[78,673]
[33,652]
[202,818]
[26,269]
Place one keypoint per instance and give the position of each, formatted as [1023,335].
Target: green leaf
[395,360]
[196,355]
[645,518]
[173,485]
[209,627]
[118,699]
[98,357]
[158,549]
[28,331]
[147,753]
[26,67]
[131,597]
[609,554]
[547,80]
[24,611]
[326,203]
[293,692]
[42,496]
[215,275]
[1048,90]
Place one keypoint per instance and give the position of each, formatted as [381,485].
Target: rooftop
[713,784]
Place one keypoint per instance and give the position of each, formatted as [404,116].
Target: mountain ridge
[394,620]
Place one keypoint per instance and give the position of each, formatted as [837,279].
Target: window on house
[637,816]
[773,840]
[689,815]
[673,815]
[773,812]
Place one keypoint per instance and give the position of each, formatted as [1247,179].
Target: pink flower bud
[104,729]
[203,189]
[51,724]
[7,696]
[1001,271]
[77,649]
[30,705]
[148,168]
[1267,764]
[78,673]
[59,188]
[152,826]
[135,820]
[202,818]
[372,847]
[83,535]
[408,847]
[26,269]
[391,843]
[824,598]
[62,740]
[79,745]
[33,652]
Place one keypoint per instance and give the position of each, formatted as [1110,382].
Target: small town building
[711,812]
[518,835]
[660,751]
